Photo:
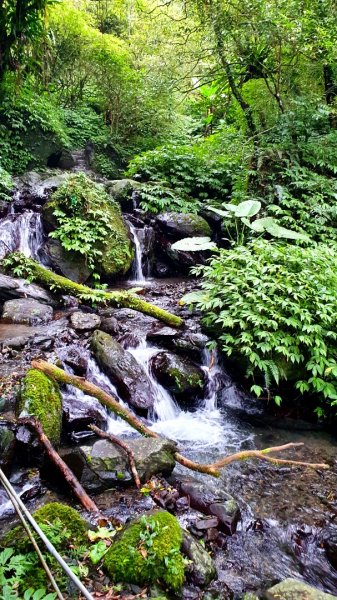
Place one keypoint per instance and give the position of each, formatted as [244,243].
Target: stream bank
[286,526]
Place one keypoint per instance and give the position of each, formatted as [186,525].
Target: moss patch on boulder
[72,529]
[89,225]
[40,397]
[148,550]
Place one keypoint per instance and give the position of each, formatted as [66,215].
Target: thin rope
[45,540]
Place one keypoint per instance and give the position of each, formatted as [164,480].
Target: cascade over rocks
[26,311]
[123,369]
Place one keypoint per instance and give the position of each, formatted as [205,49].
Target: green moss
[70,525]
[148,551]
[88,222]
[40,397]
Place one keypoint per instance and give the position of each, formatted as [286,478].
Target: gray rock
[110,325]
[123,369]
[70,264]
[121,190]
[26,311]
[292,589]
[202,570]
[79,412]
[18,336]
[211,500]
[19,288]
[178,375]
[104,465]
[84,321]
[183,225]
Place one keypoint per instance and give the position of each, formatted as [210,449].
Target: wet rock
[178,375]
[103,465]
[180,225]
[330,545]
[62,159]
[110,325]
[70,264]
[7,444]
[182,261]
[210,500]
[26,311]
[74,356]
[292,588]
[11,287]
[162,335]
[152,456]
[122,190]
[79,412]
[202,570]
[84,321]
[123,369]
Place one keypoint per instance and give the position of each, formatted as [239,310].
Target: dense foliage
[273,308]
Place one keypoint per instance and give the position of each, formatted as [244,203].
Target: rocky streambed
[255,526]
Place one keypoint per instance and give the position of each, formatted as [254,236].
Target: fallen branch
[124,446]
[121,299]
[108,401]
[69,476]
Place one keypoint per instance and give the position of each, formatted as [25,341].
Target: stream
[288,514]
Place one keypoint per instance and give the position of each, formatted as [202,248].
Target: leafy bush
[6,185]
[156,198]
[273,307]
[196,171]
[31,128]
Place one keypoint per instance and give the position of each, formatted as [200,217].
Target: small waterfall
[137,268]
[214,375]
[30,234]
[165,408]
[22,232]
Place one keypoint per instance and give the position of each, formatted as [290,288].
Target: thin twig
[124,446]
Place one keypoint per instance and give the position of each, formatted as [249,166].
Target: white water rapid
[22,232]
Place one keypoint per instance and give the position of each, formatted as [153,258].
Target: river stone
[110,325]
[182,225]
[26,311]
[69,264]
[211,500]
[178,375]
[291,589]
[123,369]
[79,412]
[84,321]
[110,463]
[121,190]
[202,570]
[11,287]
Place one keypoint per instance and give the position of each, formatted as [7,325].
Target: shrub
[148,550]
[273,308]
[6,185]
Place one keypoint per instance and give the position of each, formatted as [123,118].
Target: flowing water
[285,511]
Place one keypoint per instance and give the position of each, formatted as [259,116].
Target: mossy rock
[148,550]
[40,397]
[73,528]
[82,200]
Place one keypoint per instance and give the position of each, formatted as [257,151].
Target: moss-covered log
[30,269]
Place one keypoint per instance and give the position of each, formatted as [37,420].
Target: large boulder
[122,190]
[123,369]
[27,312]
[132,559]
[40,397]
[211,500]
[81,198]
[69,264]
[289,589]
[179,375]
[110,463]
[179,225]
[11,287]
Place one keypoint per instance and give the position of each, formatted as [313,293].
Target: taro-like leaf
[194,244]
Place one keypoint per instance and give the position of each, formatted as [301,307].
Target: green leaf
[194,244]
